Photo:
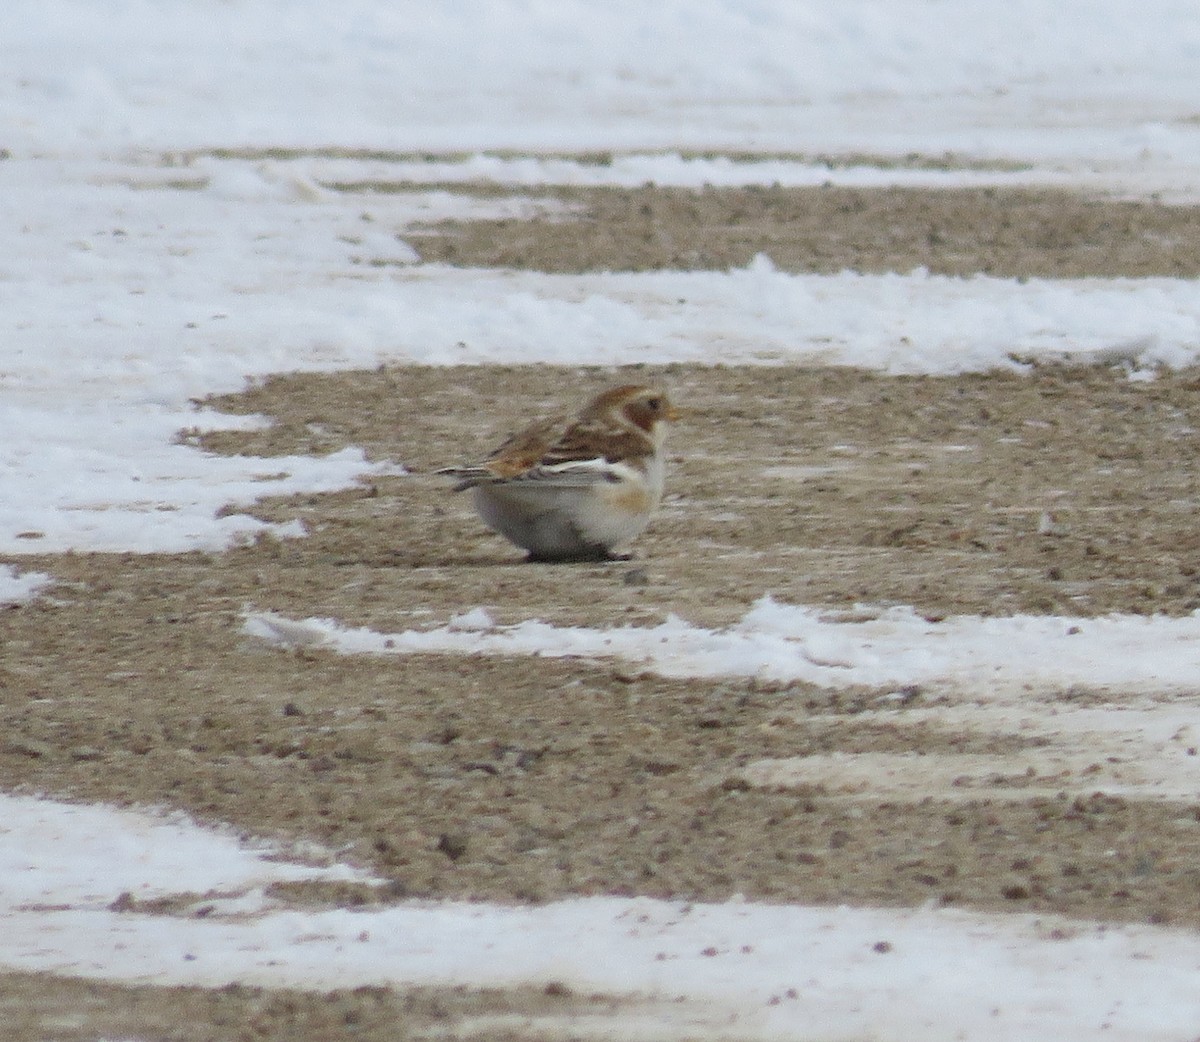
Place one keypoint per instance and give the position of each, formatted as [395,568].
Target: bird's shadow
[479,561]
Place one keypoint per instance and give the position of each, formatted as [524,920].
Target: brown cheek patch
[642,415]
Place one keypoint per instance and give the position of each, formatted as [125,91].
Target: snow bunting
[571,490]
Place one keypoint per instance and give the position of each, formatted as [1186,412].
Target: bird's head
[635,406]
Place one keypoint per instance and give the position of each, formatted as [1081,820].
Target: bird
[575,489]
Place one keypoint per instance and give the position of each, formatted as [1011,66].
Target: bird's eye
[654,403]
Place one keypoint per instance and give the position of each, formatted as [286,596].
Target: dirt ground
[1059,490]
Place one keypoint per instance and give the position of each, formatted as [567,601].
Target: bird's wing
[592,440]
[553,453]
[521,452]
[526,448]
[579,473]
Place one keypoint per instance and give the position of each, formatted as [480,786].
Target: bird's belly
[566,522]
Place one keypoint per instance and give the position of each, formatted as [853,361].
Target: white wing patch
[576,474]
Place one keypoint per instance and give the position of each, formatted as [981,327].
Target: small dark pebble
[453,846]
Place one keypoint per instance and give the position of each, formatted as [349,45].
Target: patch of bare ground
[35,1008]
[529,779]
[1062,490]
[1020,233]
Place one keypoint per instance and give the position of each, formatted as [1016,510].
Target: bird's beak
[673,413]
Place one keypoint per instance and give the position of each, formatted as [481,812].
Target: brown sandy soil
[1064,490]
[1015,233]
[33,1010]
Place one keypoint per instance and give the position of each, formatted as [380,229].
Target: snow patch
[891,647]
[19,587]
